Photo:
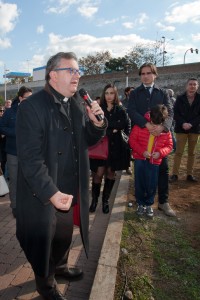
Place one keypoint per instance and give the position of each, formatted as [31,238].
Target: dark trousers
[163,181]
[59,250]
[146,180]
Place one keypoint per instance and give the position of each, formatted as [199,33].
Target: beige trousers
[181,140]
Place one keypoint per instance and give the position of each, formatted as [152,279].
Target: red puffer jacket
[138,141]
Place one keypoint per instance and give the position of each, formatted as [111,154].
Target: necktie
[148,91]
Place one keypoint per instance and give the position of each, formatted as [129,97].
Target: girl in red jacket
[148,151]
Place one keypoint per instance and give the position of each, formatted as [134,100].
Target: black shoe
[54,294]
[173,178]
[105,207]
[70,273]
[191,178]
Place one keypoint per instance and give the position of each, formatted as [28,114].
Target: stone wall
[173,77]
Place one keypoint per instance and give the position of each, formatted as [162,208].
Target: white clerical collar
[65,100]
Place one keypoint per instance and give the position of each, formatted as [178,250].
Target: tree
[2,100]
[94,64]
[151,52]
[117,64]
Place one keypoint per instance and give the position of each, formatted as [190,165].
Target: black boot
[108,185]
[95,195]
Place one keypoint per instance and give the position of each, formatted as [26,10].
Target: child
[148,151]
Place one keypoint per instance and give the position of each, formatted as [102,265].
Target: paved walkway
[16,275]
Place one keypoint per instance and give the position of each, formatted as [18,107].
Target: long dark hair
[103,100]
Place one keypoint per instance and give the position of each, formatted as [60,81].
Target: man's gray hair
[54,62]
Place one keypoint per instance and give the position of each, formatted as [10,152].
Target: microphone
[88,101]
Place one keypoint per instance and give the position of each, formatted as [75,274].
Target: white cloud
[8,16]
[84,44]
[61,6]
[87,8]
[196,37]
[128,25]
[142,18]
[189,12]
[106,22]
[5,43]
[87,11]
[40,29]
[164,27]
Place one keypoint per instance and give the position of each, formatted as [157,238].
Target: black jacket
[118,154]
[140,103]
[7,127]
[186,113]
[41,130]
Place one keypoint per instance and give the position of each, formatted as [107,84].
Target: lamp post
[164,51]
[126,70]
[192,51]
[5,82]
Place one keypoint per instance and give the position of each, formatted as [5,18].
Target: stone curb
[105,277]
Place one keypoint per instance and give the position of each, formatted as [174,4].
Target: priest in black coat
[54,129]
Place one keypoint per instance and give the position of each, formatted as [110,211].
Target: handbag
[125,139]
[99,150]
[3,186]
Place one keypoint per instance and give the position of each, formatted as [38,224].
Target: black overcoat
[41,142]
[119,153]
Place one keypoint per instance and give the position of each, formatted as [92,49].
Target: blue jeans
[146,181]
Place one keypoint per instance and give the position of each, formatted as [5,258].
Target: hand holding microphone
[89,102]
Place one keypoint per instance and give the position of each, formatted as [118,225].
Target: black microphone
[88,101]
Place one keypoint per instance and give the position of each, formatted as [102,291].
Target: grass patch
[160,262]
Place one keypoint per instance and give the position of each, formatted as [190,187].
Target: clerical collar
[58,96]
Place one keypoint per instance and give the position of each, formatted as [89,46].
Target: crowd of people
[44,148]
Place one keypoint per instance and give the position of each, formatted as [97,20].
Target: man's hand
[61,201]
[93,111]
[157,130]
[154,129]
[186,126]
[150,126]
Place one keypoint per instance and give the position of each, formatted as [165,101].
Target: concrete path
[16,275]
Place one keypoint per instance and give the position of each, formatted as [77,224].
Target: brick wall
[173,77]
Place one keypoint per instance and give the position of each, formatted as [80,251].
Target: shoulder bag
[99,150]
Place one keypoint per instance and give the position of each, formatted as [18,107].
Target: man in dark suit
[54,130]
[141,100]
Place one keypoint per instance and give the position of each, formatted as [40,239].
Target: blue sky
[33,30]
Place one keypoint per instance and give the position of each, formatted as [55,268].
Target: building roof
[16,75]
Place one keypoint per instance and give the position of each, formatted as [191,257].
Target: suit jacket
[41,142]
[140,103]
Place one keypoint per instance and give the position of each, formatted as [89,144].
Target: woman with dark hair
[118,158]
[7,128]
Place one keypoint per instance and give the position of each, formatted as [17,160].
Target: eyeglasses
[71,71]
[2,110]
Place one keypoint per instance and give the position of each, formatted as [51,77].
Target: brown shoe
[168,211]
